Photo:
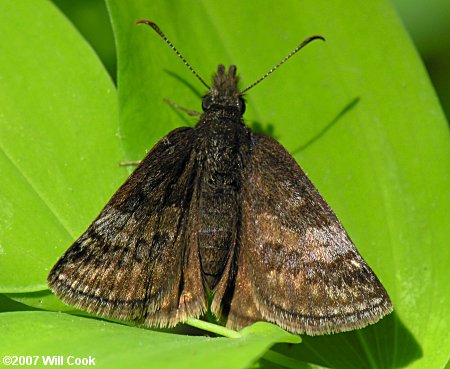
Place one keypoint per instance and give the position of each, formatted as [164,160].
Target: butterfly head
[224,93]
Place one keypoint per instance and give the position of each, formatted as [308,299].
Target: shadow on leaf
[387,344]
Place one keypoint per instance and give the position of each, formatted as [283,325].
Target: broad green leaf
[117,346]
[58,142]
[359,114]
[44,300]
[91,19]
[9,304]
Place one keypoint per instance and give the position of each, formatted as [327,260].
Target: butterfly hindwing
[132,261]
[296,266]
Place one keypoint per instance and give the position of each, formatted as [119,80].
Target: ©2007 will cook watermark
[47,360]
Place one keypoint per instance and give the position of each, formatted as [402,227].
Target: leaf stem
[214,328]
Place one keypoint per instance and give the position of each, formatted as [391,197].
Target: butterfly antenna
[284,60]
[163,36]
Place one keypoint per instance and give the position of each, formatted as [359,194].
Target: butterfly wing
[136,261]
[297,267]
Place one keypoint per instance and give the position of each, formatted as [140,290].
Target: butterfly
[218,212]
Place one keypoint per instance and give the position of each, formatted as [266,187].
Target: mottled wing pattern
[297,266]
[137,260]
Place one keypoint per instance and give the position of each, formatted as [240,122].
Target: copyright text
[47,360]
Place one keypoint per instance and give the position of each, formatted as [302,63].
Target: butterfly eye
[206,102]
[241,105]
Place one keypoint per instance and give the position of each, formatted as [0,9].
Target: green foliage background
[357,112]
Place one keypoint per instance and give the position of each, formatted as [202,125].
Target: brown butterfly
[217,210]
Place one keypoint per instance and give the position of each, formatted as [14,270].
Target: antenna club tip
[316,37]
[148,22]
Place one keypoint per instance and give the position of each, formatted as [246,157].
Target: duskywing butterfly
[220,211]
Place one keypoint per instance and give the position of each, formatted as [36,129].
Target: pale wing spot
[320,244]
[355,263]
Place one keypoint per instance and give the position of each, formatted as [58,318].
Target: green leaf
[44,300]
[58,144]
[117,346]
[358,113]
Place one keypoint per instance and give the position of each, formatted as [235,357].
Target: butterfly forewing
[130,261]
[297,266]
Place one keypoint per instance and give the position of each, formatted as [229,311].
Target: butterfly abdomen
[220,164]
